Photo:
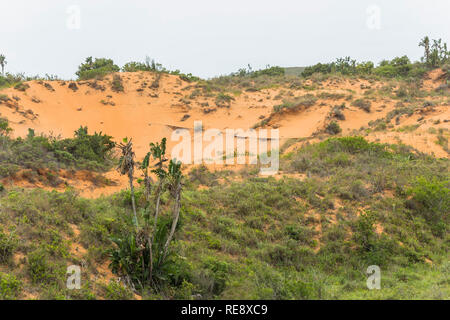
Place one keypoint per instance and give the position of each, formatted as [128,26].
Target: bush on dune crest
[435,55]
[97,68]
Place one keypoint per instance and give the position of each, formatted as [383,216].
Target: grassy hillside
[339,206]
[363,181]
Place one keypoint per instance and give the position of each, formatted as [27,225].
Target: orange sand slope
[148,114]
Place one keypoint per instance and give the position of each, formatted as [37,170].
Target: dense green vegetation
[97,68]
[435,55]
[359,204]
[101,67]
[84,151]
[148,65]
[397,67]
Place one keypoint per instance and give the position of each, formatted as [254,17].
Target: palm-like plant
[147,180]
[3,63]
[135,254]
[126,166]
[425,43]
[174,176]
[157,151]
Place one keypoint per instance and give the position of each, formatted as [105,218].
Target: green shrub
[398,112]
[41,270]
[96,69]
[202,176]
[269,71]
[353,145]
[399,67]
[219,273]
[116,84]
[4,98]
[430,198]
[337,113]
[21,86]
[4,127]
[10,286]
[84,151]
[365,232]
[9,79]
[317,68]
[333,128]
[186,77]
[358,190]
[289,254]
[115,291]
[344,66]
[223,100]
[136,66]
[128,259]
[300,233]
[307,100]
[362,104]
[375,249]
[8,244]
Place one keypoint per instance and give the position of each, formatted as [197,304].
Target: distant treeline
[436,54]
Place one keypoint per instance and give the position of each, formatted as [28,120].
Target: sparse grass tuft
[362,104]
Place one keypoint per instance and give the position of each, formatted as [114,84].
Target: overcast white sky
[208,37]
